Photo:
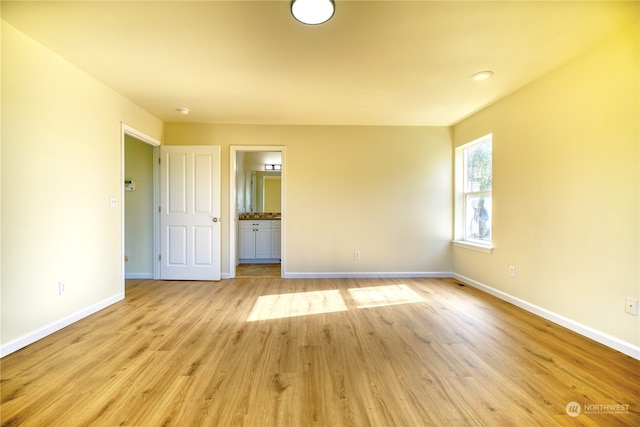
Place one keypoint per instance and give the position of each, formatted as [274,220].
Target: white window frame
[461,194]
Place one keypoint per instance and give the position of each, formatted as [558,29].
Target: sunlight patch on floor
[377,296]
[296,304]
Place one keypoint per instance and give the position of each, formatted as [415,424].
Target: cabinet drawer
[255,224]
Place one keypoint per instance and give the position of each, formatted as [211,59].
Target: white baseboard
[138,276]
[36,335]
[365,275]
[259,260]
[584,330]
[150,276]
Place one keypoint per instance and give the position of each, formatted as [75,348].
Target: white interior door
[190,213]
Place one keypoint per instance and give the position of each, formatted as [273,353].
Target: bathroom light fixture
[312,12]
[182,110]
[272,167]
[482,75]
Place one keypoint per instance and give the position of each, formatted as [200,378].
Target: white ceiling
[374,63]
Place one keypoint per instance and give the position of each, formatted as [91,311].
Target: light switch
[113,202]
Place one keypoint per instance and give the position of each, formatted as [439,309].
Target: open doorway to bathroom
[257,211]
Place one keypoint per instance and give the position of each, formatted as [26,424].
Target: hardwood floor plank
[184,353]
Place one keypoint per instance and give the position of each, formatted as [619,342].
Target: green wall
[138,221]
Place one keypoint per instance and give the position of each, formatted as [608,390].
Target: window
[474,182]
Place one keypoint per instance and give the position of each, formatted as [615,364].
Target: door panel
[203,170]
[177,246]
[190,211]
[176,180]
[204,245]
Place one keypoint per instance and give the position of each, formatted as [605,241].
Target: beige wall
[138,214]
[566,190]
[61,162]
[384,191]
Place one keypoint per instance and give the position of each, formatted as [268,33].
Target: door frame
[155,143]
[233,203]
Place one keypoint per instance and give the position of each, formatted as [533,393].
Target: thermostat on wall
[129,185]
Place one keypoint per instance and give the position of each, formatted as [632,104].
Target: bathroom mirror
[258,190]
[262,191]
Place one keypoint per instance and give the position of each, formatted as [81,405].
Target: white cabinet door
[263,242]
[247,243]
[276,242]
[190,213]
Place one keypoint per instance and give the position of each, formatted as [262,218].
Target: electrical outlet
[512,271]
[631,306]
[62,287]
[356,254]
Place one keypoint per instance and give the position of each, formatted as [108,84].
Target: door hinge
[159,209]
[159,257]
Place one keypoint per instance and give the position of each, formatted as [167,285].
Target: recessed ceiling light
[482,75]
[182,110]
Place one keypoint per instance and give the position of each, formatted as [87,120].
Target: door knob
[215,219]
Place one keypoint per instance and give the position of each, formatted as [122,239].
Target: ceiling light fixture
[482,75]
[312,12]
[182,110]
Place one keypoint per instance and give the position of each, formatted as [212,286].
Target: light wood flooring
[258,270]
[441,354]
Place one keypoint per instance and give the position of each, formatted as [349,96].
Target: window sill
[487,249]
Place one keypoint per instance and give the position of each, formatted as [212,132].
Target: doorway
[139,195]
[138,209]
[250,168]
